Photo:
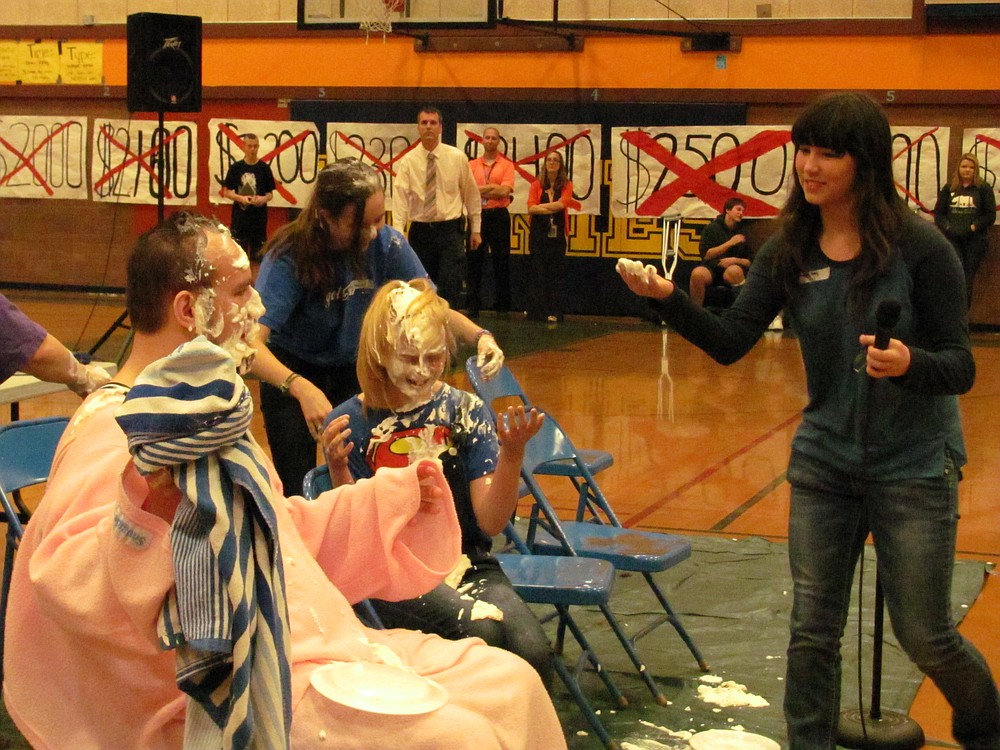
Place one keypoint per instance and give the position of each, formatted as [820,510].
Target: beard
[244,328]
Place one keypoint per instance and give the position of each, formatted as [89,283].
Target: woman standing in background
[549,199]
[966,208]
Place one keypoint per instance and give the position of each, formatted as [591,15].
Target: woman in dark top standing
[880,446]
[548,200]
[966,208]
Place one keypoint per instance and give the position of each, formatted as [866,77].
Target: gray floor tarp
[734,597]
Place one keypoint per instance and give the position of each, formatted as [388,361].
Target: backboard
[443,14]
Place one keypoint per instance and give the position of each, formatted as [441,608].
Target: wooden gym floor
[699,448]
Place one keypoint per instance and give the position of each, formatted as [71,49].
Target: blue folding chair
[561,582]
[27,448]
[504,388]
[572,581]
[596,532]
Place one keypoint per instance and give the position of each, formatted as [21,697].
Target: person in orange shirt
[550,198]
[494,174]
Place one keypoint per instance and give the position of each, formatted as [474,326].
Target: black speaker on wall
[164,63]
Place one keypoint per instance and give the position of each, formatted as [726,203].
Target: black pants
[496,244]
[440,246]
[971,251]
[548,274]
[293,448]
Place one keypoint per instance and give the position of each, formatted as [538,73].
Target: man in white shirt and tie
[432,189]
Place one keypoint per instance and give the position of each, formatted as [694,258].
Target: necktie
[430,189]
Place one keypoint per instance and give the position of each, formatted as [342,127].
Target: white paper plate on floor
[731,739]
[378,688]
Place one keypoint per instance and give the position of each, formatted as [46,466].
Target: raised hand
[644,280]
[490,356]
[337,449]
[515,427]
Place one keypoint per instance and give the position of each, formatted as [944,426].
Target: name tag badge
[820,274]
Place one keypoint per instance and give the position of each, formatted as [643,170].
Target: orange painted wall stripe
[917,62]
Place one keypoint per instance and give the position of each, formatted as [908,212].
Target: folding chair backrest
[27,448]
[550,444]
[316,481]
[500,391]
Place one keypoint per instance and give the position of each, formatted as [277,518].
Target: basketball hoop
[376,16]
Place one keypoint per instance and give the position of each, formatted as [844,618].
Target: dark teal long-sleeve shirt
[890,428]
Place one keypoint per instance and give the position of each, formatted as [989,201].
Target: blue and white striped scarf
[227,617]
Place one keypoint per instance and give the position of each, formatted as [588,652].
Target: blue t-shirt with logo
[323,328]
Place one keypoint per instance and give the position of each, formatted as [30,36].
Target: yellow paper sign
[10,68]
[82,62]
[39,62]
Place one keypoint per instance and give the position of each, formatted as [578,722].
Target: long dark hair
[561,176]
[346,182]
[854,124]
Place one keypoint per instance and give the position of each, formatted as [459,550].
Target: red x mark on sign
[234,137]
[699,181]
[537,157]
[139,159]
[899,186]
[27,160]
[379,165]
[989,142]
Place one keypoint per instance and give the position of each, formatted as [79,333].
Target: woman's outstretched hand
[644,280]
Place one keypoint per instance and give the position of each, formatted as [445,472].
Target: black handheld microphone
[886,317]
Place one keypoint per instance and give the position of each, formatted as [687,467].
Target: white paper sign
[134,162]
[919,165]
[43,157]
[291,149]
[379,144]
[527,145]
[692,171]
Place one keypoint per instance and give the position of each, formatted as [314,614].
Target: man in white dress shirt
[432,190]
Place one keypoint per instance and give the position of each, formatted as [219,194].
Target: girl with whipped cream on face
[406,413]
[316,281]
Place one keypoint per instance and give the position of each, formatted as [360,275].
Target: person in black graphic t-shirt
[966,208]
[250,185]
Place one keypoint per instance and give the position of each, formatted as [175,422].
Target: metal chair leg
[674,620]
[633,655]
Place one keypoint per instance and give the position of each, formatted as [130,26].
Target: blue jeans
[913,524]
[445,612]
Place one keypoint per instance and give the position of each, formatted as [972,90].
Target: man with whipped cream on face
[110,563]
